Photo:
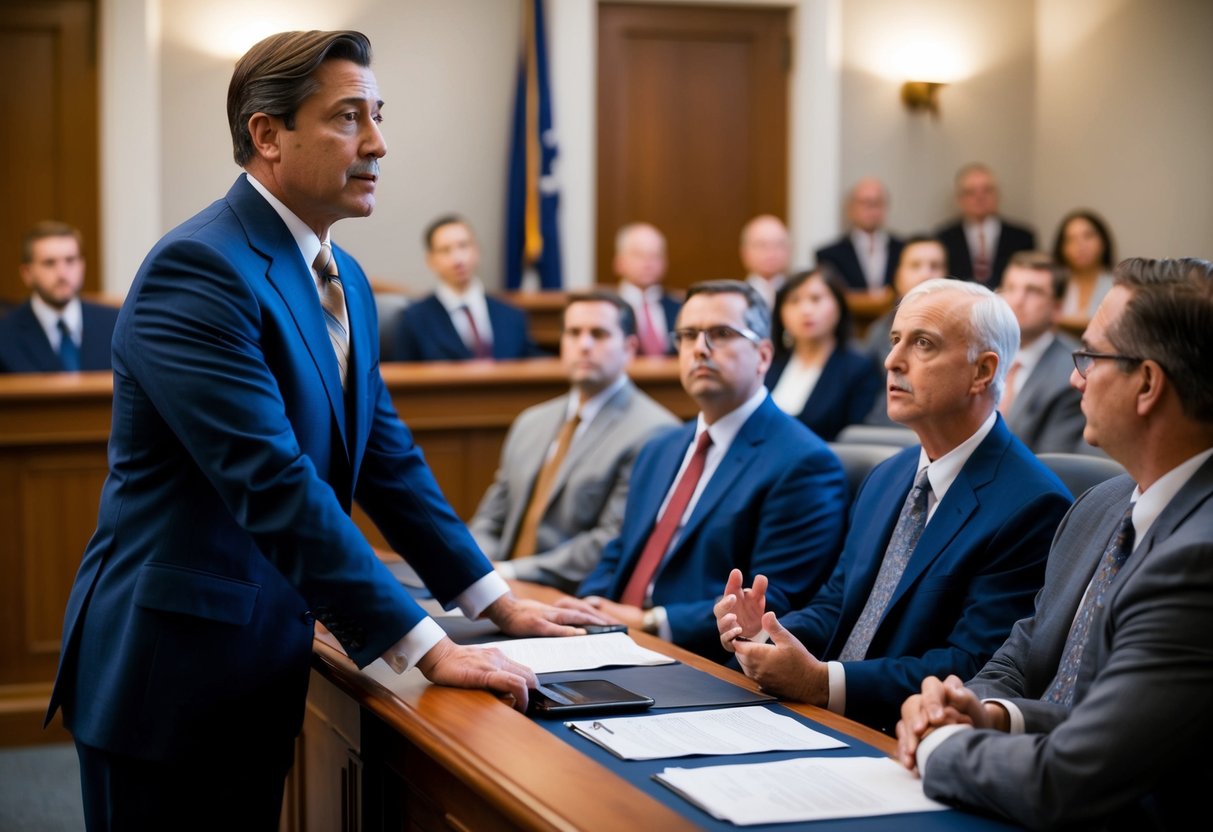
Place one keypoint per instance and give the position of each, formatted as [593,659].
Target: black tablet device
[584,697]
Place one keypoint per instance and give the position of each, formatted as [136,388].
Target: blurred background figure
[922,258]
[980,241]
[1084,247]
[640,263]
[765,254]
[816,375]
[866,257]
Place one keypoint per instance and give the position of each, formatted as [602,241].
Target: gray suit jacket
[1133,750]
[1047,413]
[585,509]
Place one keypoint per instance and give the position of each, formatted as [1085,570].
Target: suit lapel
[1194,496]
[32,340]
[611,412]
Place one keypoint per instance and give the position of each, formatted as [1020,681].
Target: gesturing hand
[739,612]
[784,667]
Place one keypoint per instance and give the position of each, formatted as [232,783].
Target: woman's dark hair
[1107,258]
[842,330]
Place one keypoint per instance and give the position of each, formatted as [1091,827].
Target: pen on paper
[599,725]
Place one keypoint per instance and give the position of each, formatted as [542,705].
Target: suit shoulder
[422,308]
[504,307]
[645,406]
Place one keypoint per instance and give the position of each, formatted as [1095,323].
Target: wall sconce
[921,95]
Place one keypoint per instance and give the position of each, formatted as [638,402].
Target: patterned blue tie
[1061,691]
[69,353]
[910,523]
[332,300]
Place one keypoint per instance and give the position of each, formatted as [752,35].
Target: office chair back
[859,458]
[894,435]
[1080,471]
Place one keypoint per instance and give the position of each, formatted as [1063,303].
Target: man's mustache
[900,382]
[369,168]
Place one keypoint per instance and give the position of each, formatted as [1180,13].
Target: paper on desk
[746,730]
[548,655]
[804,789]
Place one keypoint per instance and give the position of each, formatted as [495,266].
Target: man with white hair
[947,539]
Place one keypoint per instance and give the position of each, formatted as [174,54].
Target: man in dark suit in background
[249,415]
[640,262]
[867,255]
[459,322]
[744,486]
[947,540]
[1095,712]
[1040,405]
[980,242]
[54,330]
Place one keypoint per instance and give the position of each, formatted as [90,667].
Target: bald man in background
[867,255]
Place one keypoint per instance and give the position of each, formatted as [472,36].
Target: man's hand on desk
[612,611]
[739,612]
[520,617]
[784,667]
[942,703]
[448,663]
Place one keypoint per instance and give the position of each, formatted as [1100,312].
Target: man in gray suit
[1040,405]
[1096,710]
[562,484]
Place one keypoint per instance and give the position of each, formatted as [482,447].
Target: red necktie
[659,541]
[479,348]
[981,263]
[651,341]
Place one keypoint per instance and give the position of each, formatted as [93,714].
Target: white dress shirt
[473,298]
[49,317]
[873,251]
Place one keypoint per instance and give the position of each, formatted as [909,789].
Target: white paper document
[804,789]
[747,730]
[549,655]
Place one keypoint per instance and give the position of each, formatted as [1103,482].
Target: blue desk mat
[640,774]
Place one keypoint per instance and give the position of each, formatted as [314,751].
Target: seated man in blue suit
[459,322]
[947,540]
[54,330]
[743,487]
[249,416]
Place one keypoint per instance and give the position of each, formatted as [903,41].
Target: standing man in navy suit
[249,414]
[459,322]
[947,540]
[981,242]
[54,330]
[743,487]
[866,257]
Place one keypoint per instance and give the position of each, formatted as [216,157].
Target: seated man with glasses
[743,486]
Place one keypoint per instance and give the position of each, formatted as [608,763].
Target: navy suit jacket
[224,523]
[24,348]
[774,506]
[845,260]
[972,575]
[425,333]
[1011,238]
[843,395]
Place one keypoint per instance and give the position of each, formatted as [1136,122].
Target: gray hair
[757,316]
[992,324]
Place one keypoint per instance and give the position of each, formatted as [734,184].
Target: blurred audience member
[765,253]
[981,242]
[1084,246]
[866,257]
[640,262]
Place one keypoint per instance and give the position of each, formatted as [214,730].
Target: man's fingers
[733,585]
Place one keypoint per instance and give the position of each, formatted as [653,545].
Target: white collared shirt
[991,227]
[873,252]
[418,641]
[592,407]
[795,385]
[639,298]
[473,298]
[49,317]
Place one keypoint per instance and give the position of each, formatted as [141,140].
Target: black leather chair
[859,458]
[1081,471]
[894,435]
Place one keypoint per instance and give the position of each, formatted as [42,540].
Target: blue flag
[532,239]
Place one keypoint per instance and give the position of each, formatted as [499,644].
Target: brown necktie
[524,544]
[332,301]
[663,533]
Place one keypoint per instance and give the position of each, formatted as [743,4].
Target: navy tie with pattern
[910,523]
[1061,691]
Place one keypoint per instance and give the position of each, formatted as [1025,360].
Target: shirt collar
[472,297]
[861,239]
[1029,356]
[596,402]
[944,471]
[48,317]
[305,237]
[633,294]
[725,429]
[1151,502]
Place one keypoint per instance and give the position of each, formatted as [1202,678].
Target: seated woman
[1084,247]
[816,376]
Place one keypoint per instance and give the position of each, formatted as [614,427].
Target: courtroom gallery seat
[1081,471]
[893,435]
[858,458]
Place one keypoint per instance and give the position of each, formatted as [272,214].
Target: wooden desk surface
[530,777]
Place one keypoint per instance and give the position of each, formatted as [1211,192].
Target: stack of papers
[549,655]
[722,731]
[801,790]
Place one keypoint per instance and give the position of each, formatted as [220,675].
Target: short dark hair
[443,221]
[1169,319]
[275,77]
[627,317]
[45,229]
[1107,258]
[1039,261]
[842,330]
[757,316]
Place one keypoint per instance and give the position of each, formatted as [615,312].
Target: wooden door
[692,129]
[48,136]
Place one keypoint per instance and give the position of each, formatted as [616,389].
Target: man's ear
[1152,387]
[983,371]
[266,132]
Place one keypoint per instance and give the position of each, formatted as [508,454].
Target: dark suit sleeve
[863,385]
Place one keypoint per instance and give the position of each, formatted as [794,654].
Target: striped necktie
[332,301]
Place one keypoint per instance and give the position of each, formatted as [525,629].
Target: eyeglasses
[1084,359]
[713,336]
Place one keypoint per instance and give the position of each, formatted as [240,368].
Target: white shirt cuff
[404,654]
[837,702]
[663,623]
[1013,713]
[932,741]
[477,597]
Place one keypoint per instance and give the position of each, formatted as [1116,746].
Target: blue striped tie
[332,300]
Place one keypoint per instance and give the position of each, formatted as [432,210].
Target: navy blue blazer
[25,349]
[972,575]
[845,260]
[843,395]
[424,332]
[224,527]
[774,506]
[1011,238]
